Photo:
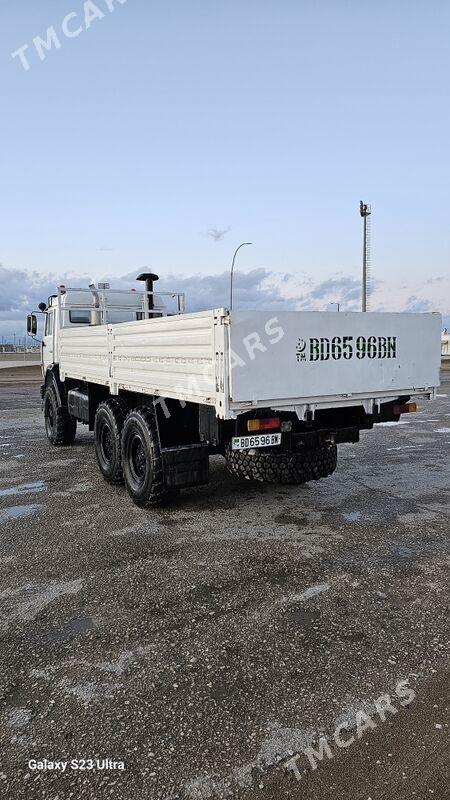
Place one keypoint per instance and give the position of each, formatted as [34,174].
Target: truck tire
[283,467]
[142,459]
[60,427]
[109,419]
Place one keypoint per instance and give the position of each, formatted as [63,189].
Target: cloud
[417,304]
[252,289]
[217,233]
[259,288]
[21,293]
[346,290]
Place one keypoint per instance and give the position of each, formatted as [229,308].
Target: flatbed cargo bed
[235,361]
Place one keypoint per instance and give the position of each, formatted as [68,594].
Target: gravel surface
[206,644]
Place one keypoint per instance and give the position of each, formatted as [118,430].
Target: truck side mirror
[32,324]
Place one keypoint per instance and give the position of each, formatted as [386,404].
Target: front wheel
[60,427]
[142,460]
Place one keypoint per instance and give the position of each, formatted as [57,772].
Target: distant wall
[20,356]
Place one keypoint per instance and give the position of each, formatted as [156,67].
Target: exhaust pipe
[149,278]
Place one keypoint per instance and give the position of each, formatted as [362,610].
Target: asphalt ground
[206,644]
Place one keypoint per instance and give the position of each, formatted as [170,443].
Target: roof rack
[103,301]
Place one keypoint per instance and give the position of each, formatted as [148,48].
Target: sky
[166,133]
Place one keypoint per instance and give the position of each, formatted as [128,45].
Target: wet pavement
[206,644]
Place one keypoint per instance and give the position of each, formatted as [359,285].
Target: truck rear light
[406,408]
[263,424]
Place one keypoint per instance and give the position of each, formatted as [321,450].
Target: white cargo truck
[273,392]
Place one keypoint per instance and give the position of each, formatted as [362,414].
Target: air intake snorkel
[149,278]
[96,316]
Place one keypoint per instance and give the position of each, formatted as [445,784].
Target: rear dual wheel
[128,451]
[108,426]
[142,459]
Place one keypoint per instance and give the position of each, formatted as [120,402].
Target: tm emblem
[301,350]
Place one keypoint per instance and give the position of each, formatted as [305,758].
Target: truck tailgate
[305,355]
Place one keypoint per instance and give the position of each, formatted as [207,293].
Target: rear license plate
[260,440]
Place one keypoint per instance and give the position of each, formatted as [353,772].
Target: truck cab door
[48,340]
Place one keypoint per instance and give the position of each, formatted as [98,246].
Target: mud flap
[187,465]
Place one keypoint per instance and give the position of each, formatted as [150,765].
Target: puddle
[388,424]
[76,627]
[406,447]
[353,516]
[374,510]
[303,617]
[401,553]
[25,488]
[18,512]
[405,553]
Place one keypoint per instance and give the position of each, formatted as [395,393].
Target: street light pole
[365,212]
[244,244]
[336,304]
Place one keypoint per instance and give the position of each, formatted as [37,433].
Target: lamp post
[244,244]
[365,212]
[336,304]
